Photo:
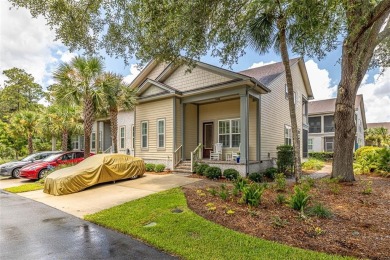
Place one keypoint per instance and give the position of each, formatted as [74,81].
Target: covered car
[94,170]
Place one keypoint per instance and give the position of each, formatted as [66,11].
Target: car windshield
[29,158]
[50,158]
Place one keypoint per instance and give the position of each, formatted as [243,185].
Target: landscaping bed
[359,225]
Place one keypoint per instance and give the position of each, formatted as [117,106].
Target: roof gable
[151,88]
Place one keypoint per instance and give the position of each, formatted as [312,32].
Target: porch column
[244,123]
[97,137]
[183,113]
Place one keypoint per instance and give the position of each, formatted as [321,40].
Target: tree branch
[384,34]
[381,9]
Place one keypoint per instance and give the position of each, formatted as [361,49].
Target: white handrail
[178,155]
[108,149]
[195,156]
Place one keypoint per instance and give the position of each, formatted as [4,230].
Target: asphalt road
[32,230]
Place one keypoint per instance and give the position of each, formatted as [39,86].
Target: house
[321,124]
[380,124]
[182,114]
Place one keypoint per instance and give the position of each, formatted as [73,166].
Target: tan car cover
[93,170]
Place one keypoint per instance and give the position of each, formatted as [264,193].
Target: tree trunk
[53,143]
[114,128]
[89,114]
[30,144]
[291,104]
[64,144]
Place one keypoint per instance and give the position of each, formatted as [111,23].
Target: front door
[208,139]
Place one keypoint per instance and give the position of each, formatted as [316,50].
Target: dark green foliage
[223,192]
[320,211]
[281,199]
[270,173]
[231,174]
[251,194]
[300,198]
[159,168]
[280,182]
[240,183]
[150,167]
[256,176]
[285,159]
[323,156]
[213,173]
[384,159]
[201,168]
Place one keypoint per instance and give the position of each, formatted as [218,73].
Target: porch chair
[236,154]
[216,154]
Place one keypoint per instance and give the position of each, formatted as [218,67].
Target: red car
[39,169]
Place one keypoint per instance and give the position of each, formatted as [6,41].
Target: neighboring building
[380,124]
[247,112]
[321,124]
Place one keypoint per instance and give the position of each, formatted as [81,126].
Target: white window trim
[310,144]
[93,140]
[230,131]
[289,136]
[124,137]
[147,133]
[158,134]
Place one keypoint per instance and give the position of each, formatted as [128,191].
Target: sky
[27,43]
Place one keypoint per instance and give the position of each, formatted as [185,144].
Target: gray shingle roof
[327,105]
[266,74]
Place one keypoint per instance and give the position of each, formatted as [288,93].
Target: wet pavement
[32,230]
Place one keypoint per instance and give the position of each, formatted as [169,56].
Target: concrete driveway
[103,196]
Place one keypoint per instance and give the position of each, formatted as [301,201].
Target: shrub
[280,199]
[212,191]
[300,198]
[281,183]
[384,159]
[201,168]
[223,192]
[251,194]
[313,164]
[367,188]
[256,176]
[322,156]
[320,211]
[270,173]
[213,173]
[230,174]
[150,167]
[367,159]
[240,183]
[285,159]
[159,168]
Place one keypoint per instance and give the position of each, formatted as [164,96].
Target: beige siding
[152,90]
[275,112]
[157,71]
[228,110]
[190,127]
[198,77]
[151,112]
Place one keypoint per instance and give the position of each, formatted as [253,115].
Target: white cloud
[134,71]
[260,64]
[376,97]
[25,42]
[320,81]
[66,56]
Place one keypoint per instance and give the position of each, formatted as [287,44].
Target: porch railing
[195,156]
[177,156]
[108,150]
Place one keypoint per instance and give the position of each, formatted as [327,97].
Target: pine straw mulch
[360,225]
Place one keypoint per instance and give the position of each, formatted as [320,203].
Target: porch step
[183,168]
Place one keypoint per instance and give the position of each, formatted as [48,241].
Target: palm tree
[269,30]
[116,95]
[26,123]
[77,81]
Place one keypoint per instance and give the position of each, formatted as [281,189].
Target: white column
[244,124]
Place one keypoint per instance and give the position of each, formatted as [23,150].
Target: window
[328,124]
[93,140]
[75,143]
[287,135]
[79,155]
[81,142]
[160,133]
[229,132]
[144,134]
[315,124]
[133,137]
[328,144]
[122,137]
[100,140]
[310,144]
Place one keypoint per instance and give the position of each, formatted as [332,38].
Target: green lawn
[25,188]
[189,235]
